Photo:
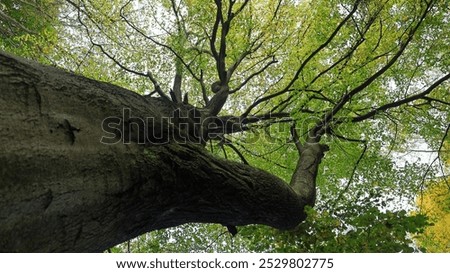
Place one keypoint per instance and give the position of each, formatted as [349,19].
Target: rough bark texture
[303,181]
[62,190]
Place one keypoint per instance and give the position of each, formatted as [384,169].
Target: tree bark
[62,189]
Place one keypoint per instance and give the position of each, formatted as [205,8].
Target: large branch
[61,189]
[303,181]
[215,105]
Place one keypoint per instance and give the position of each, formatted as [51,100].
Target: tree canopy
[365,80]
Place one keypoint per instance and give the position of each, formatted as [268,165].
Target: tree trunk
[64,185]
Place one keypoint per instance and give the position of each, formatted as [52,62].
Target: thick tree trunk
[62,189]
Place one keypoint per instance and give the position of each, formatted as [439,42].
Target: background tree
[435,202]
[279,83]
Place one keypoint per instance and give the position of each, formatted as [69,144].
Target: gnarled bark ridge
[65,186]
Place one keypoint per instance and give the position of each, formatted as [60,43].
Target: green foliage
[29,28]
[358,229]
[188,238]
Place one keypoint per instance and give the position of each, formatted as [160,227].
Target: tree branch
[348,96]
[234,124]
[157,86]
[254,74]
[169,48]
[399,103]
[305,62]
